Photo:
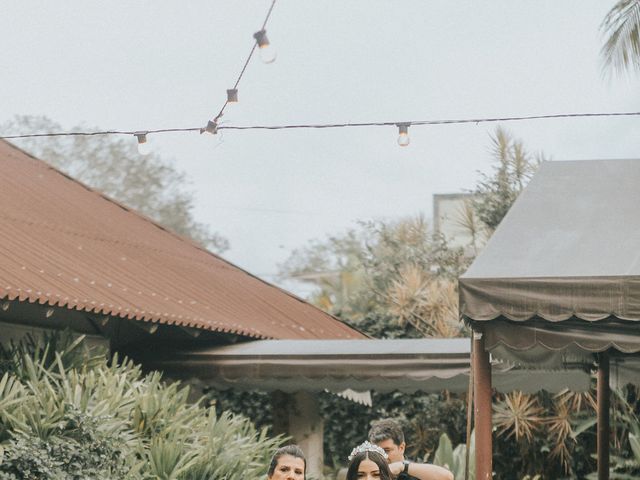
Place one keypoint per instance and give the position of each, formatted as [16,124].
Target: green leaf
[444,452]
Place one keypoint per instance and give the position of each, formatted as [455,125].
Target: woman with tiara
[370,462]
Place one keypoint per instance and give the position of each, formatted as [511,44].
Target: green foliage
[536,434]
[561,443]
[389,279]
[625,464]
[423,418]
[456,459]
[255,405]
[514,167]
[76,448]
[148,184]
[621,26]
[70,414]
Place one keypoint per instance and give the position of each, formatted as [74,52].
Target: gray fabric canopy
[428,365]
[565,262]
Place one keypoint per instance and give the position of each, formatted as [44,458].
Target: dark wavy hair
[293,450]
[375,457]
[384,429]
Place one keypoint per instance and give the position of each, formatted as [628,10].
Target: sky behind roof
[156,64]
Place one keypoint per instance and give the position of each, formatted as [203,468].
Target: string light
[267,52]
[143,144]
[268,55]
[403,134]
[232,93]
[213,127]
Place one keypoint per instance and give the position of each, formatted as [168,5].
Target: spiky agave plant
[518,415]
[559,426]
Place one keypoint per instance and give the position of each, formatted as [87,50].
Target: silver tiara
[367,446]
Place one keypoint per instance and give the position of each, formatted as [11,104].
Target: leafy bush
[69,413]
[455,459]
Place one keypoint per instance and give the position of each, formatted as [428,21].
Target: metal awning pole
[603,398]
[482,407]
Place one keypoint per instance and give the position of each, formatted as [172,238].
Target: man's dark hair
[293,450]
[385,429]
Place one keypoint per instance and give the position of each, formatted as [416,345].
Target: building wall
[451,215]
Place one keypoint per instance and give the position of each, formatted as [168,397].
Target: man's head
[388,435]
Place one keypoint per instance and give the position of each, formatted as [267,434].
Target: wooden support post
[467,453]
[483,408]
[603,397]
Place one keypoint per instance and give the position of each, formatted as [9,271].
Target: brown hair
[293,450]
[385,429]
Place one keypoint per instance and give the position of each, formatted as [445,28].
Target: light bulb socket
[403,128]
[232,95]
[144,147]
[212,127]
[142,137]
[261,38]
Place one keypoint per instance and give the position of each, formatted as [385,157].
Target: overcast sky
[153,64]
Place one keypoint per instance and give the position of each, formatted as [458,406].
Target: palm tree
[621,25]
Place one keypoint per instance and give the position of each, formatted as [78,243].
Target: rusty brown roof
[66,245]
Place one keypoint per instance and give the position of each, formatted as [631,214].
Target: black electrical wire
[334,125]
[430,122]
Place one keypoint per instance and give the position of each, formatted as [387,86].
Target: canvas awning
[429,365]
[565,261]
[559,282]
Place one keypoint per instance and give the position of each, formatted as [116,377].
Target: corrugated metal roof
[65,245]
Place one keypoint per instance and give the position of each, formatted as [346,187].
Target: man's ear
[401,447]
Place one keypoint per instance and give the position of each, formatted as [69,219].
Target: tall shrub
[70,413]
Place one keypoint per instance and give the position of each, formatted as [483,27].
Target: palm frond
[621,25]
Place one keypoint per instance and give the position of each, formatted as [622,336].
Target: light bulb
[266,50]
[403,134]
[144,148]
[267,54]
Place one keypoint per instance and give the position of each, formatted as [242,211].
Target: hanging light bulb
[232,95]
[403,134]
[267,52]
[144,148]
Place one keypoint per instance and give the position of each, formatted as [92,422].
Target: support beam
[298,415]
[307,429]
[603,397]
[482,408]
